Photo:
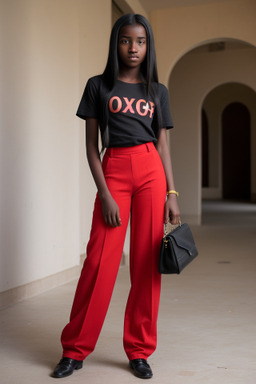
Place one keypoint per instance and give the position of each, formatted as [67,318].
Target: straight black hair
[111,72]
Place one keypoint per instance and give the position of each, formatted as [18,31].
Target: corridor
[207,320]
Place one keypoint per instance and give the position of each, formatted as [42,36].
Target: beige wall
[191,77]
[49,49]
[47,54]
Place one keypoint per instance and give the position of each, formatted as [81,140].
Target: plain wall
[49,49]
[47,55]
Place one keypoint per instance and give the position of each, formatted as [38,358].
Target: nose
[132,47]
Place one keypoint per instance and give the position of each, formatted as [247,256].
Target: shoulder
[162,93]
[94,81]
[93,86]
[162,90]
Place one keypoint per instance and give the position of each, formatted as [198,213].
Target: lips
[133,58]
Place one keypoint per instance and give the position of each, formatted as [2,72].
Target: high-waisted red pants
[136,180]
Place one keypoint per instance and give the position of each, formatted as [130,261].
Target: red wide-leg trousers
[136,180]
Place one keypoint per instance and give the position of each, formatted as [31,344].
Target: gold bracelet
[172,191]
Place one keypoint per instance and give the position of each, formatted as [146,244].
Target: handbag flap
[183,237]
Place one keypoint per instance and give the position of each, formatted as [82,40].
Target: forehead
[135,30]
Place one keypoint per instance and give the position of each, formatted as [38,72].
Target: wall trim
[17,294]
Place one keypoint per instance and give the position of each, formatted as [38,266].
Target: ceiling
[152,5]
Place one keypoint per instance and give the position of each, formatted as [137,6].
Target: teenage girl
[134,180]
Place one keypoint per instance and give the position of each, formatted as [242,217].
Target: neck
[131,75]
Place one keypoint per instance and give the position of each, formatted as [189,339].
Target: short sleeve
[89,103]
[165,107]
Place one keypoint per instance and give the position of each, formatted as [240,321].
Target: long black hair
[111,72]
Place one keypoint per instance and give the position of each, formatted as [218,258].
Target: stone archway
[222,153]
[193,78]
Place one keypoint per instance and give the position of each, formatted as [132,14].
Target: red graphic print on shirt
[141,106]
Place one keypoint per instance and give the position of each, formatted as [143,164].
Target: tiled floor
[207,321]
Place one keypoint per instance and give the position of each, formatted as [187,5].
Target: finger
[109,220]
[118,220]
[176,220]
[167,215]
[114,220]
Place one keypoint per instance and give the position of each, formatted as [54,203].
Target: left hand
[171,210]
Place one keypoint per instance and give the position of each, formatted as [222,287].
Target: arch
[180,30]
[221,85]
[201,43]
[217,101]
[193,78]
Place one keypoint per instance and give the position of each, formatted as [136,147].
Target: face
[132,45]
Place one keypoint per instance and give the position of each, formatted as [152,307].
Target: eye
[141,42]
[124,41]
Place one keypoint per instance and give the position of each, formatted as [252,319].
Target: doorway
[236,156]
[205,150]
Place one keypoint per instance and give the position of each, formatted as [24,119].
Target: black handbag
[178,249]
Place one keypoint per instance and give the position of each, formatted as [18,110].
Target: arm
[109,206]
[172,211]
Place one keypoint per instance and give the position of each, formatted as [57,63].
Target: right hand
[110,211]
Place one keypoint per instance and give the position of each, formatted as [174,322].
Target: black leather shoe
[66,367]
[141,368]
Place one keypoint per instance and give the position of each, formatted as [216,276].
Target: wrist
[172,192]
[103,195]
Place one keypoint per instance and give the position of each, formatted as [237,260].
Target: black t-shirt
[131,111]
